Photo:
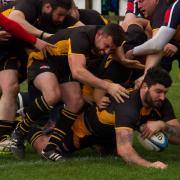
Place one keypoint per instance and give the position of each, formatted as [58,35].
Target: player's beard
[47,19]
[150,102]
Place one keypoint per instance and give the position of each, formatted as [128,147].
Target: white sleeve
[156,44]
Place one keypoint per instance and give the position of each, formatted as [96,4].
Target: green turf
[88,165]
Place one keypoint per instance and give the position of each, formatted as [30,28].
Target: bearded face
[151,101]
[55,17]
[52,18]
[155,96]
[46,18]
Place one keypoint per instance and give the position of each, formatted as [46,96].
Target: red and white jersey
[172,18]
[5,2]
[170,30]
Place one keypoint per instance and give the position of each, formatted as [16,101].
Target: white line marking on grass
[16,164]
[20,163]
[90,158]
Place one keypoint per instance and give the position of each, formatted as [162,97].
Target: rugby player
[155,11]
[119,121]
[13,56]
[170,30]
[94,41]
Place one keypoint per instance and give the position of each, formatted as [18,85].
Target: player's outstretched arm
[77,63]
[156,44]
[19,17]
[124,141]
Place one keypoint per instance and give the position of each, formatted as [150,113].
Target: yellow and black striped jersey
[78,40]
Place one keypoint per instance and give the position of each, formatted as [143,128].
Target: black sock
[6,128]
[63,126]
[32,113]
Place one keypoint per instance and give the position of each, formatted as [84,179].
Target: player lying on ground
[97,127]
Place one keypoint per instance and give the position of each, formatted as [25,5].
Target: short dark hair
[157,75]
[66,4]
[116,32]
[135,36]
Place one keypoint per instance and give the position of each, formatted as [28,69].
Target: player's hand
[127,59]
[4,36]
[158,165]
[129,54]
[118,92]
[170,50]
[152,127]
[44,47]
[103,102]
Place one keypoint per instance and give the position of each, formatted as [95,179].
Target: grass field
[88,165]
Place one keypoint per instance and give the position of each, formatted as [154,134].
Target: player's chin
[157,104]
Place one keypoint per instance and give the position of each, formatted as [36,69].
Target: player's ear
[144,85]
[100,33]
[47,8]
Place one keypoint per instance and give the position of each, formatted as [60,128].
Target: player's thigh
[71,92]
[43,76]
[8,72]
[46,81]
[48,84]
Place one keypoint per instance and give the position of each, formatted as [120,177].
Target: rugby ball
[157,142]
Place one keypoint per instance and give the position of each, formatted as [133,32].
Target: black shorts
[14,63]
[8,62]
[57,65]
[14,58]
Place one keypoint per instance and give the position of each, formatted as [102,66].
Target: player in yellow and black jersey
[85,43]
[121,119]
[13,58]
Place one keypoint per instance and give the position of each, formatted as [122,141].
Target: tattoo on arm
[124,138]
[172,131]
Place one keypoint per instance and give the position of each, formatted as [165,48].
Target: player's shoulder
[88,11]
[133,102]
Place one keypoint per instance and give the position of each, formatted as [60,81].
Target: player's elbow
[157,47]
[76,73]
[16,15]
[121,151]
[125,154]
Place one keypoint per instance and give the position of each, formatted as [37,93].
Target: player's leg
[9,88]
[72,98]
[46,82]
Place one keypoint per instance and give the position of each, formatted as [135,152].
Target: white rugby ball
[157,142]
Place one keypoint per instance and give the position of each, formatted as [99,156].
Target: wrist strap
[41,36]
